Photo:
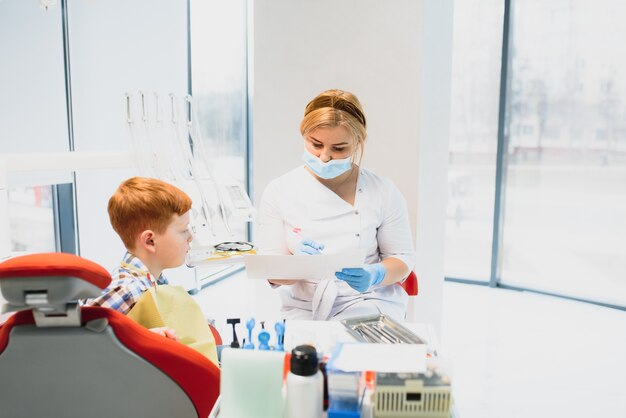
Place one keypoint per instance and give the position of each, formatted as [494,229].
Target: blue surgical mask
[326,170]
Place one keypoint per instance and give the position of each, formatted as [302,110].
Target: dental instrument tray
[380,329]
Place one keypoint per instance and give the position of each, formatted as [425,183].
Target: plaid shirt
[129,282]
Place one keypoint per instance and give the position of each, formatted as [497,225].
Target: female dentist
[332,204]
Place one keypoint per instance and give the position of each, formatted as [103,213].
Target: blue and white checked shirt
[129,282]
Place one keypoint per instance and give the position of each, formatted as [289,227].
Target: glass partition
[33,113]
[564,154]
[473,137]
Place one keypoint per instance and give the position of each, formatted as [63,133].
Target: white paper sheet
[392,358]
[301,267]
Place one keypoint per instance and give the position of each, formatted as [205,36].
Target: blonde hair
[334,108]
[142,203]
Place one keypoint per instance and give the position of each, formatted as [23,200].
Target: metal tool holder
[380,329]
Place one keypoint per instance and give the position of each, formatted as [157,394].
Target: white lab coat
[378,221]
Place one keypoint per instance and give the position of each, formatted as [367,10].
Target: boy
[152,219]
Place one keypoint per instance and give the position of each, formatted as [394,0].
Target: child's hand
[165,332]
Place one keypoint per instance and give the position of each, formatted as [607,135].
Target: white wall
[368,47]
[380,51]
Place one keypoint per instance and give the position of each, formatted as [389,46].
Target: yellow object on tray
[172,307]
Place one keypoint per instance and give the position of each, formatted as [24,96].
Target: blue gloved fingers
[353,271]
[310,243]
[307,250]
[309,247]
[362,279]
[360,283]
[344,277]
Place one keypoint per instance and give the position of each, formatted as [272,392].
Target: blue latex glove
[361,279]
[309,247]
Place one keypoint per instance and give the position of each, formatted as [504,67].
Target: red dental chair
[60,360]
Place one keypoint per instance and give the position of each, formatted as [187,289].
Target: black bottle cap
[304,360]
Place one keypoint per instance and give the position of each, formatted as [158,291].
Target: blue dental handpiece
[280,335]
[250,325]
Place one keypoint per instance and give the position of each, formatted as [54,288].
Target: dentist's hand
[305,247]
[309,247]
[361,279]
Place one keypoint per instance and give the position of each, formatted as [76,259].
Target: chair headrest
[50,280]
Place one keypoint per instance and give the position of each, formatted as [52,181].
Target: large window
[563,148]
[565,219]
[473,137]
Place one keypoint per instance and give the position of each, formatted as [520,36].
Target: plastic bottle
[305,384]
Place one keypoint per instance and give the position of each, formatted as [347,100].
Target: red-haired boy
[152,219]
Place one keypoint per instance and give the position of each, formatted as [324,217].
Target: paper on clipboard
[301,267]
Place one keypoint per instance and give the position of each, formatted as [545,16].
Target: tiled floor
[511,354]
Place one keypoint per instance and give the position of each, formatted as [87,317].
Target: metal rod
[501,161]
[129,108]
[373,337]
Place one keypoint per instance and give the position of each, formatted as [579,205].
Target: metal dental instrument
[144,113]
[149,150]
[129,112]
[138,148]
[156,106]
[163,164]
[182,150]
[198,146]
[387,334]
[188,155]
[380,329]
[373,337]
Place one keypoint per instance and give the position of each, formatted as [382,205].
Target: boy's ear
[146,241]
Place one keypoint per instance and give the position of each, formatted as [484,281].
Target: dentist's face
[330,143]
